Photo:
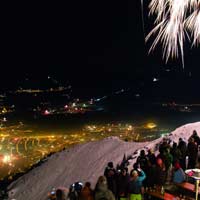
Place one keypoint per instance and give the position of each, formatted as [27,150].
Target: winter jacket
[160,175]
[135,186]
[110,175]
[122,185]
[103,193]
[192,150]
[86,194]
[179,176]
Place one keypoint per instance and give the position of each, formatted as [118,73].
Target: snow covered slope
[84,162]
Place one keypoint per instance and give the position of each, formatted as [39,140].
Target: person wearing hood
[101,190]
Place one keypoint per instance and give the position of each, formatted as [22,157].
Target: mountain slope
[84,162]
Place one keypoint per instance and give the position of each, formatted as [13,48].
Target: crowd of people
[148,171]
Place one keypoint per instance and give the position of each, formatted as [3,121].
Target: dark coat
[111,176]
[151,176]
[142,160]
[122,185]
[160,177]
[192,150]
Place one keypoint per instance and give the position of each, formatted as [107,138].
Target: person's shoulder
[110,195]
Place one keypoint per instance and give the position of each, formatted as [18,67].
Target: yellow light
[6,159]
[73,104]
[130,128]
[151,125]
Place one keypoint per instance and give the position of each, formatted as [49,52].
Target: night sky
[89,44]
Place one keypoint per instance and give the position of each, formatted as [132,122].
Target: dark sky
[87,43]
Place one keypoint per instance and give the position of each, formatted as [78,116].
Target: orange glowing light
[151,125]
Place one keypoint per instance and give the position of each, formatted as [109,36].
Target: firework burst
[174,19]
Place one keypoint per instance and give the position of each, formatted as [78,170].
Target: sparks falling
[175,19]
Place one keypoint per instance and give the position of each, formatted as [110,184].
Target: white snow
[83,162]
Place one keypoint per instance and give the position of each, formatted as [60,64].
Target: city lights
[6,159]
[151,125]
[20,143]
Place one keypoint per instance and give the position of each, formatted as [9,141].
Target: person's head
[150,151]
[87,184]
[124,171]
[177,166]
[142,153]
[101,184]
[164,141]
[194,133]
[191,139]
[110,164]
[59,194]
[135,166]
[102,180]
[159,162]
[174,145]
[134,174]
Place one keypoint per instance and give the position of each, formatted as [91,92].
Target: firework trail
[174,20]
